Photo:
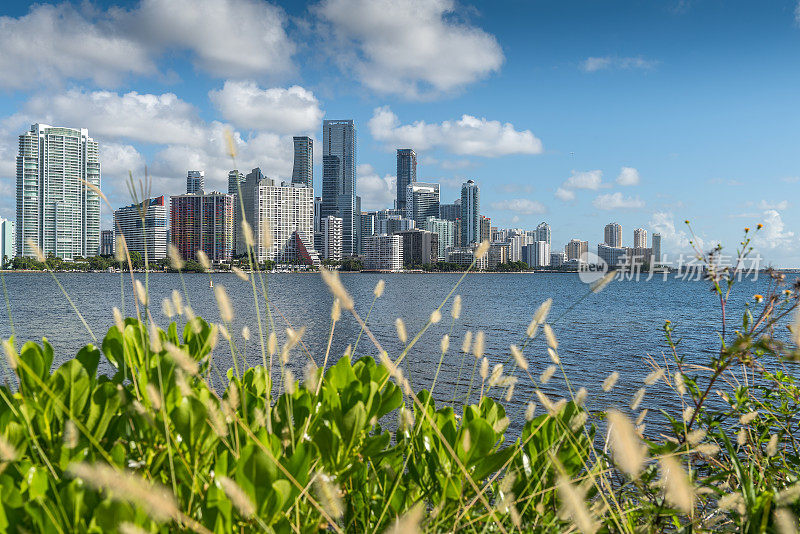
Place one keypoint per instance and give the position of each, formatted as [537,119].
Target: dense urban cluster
[59,202]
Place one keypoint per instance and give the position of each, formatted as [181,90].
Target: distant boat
[210,283]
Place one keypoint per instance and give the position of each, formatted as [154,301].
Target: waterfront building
[6,241]
[332,238]
[394,224]
[498,253]
[368,224]
[450,212]
[470,213]
[543,232]
[234,179]
[203,221]
[640,238]
[613,235]
[56,210]
[195,181]
[107,243]
[383,252]
[407,175]
[339,178]
[576,248]
[303,170]
[536,254]
[422,201]
[486,229]
[444,229]
[558,259]
[465,256]
[144,226]
[419,247]
[613,256]
[656,249]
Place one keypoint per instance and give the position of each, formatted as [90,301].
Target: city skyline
[611,124]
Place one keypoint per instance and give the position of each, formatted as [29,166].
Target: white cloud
[774,234]
[672,239]
[227,38]
[54,43]
[415,48]
[565,194]
[616,201]
[291,111]
[628,176]
[520,205]
[797,14]
[780,205]
[376,192]
[594,64]
[467,136]
[585,180]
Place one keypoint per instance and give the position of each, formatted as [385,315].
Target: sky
[574,113]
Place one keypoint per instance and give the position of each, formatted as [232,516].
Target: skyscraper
[656,248]
[234,179]
[332,238]
[56,210]
[613,235]
[6,241]
[576,248]
[422,201]
[640,238]
[303,171]
[543,232]
[470,213]
[339,178]
[195,181]
[450,212]
[144,226]
[445,231]
[406,175]
[202,221]
[107,243]
[486,229]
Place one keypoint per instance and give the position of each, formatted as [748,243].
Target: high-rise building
[543,232]
[613,256]
[368,224]
[393,224]
[640,238]
[195,181]
[422,201]
[107,243]
[486,229]
[450,212]
[56,209]
[202,221]
[234,179]
[466,255]
[303,171]
[445,231]
[576,248]
[536,254]
[407,175]
[470,213]
[332,238]
[6,241]
[144,226]
[656,248]
[339,178]
[249,199]
[498,253]
[557,259]
[613,235]
[383,252]
[419,247]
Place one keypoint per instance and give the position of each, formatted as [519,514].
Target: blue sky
[576,113]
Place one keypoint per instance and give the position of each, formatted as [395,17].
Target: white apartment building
[383,252]
[446,232]
[332,238]
[145,227]
[287,212]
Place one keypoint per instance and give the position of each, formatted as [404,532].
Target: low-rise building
[465,256]
[383,252]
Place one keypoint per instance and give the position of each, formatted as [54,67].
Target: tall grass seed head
[466,343]
[573,506]
[246,333]
[497,374]
[598,285]
[484,368]
[175,258]
[177,301]
[120,246]
[400,326]
[8,453]
[266,235]
[637,398]
[479,345]
[435,317]
[119,322]
[272,343]
[629,453]
[336,310]
[455,311]
[553,355]
[547,374]
[530,411]
[610,381]
[167,309]
[677,488]
[379,287]
[331,279]
[552,342]
[519,358]
[141,292]
[223,303]
[482,249]
[247,232]
[240,273]
[653,377]
[445,344]
[240,500]
[202,259]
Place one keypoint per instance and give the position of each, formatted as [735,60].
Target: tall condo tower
[470,213]
[56,209]
[406,174]
[339,178]
[640,238]
[303,172]
[613,235]
[195,181]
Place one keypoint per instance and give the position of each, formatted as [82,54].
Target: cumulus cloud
[592,180]
[291,111]
[594,64]
[676,240]
[780,205]
[628,176]
[376,192]
[774,233]
[616,201]
[54,43]
[467,136]
[520,205]
[415,48]
[565,194]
